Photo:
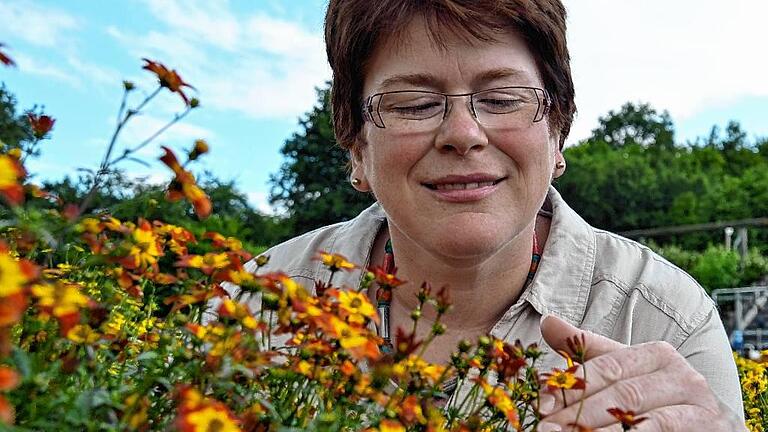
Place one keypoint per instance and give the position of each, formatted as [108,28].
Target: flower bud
[416,314]
[484,341]
[128,85]
[464,346]
[270,301]
[201,147]
[194,102]
[262,260]
[438,329]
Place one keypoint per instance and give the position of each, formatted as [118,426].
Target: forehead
[452,61]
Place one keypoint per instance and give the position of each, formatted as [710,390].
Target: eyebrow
[429,80]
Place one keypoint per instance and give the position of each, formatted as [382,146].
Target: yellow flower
[115,325]
[145,250]
[335,262]
[12,278]
[209,261]
[388,425]
[82,334]
[211,419]
[61,299]
[355,307]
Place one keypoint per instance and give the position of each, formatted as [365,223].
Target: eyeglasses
[409,111]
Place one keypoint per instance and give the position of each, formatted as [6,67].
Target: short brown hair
[354,28]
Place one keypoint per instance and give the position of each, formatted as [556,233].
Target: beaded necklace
[384,296]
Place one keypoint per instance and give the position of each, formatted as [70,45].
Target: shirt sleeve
[708,351]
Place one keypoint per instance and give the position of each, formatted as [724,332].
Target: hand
[651,379]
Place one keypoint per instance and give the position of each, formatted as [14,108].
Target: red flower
[168,78]
[41,124]
[4,59]
[627,418]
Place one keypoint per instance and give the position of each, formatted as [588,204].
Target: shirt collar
[562,282]
[564,276]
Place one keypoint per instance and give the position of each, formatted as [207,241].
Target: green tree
[312,185]
[635,124]
[14,130]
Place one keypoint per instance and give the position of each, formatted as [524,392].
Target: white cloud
[255,64]
[32,66]
[683,56]
[34,23]
[92,72]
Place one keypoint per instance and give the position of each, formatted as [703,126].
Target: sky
[255,65]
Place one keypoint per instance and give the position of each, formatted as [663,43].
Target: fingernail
[548,427]
[546,404]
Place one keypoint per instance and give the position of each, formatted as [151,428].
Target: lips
[463,182]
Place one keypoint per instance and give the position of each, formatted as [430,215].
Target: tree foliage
[624,178]
[312,184]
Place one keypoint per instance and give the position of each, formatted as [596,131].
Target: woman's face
[434,186]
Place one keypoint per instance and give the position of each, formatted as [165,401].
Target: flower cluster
[753,375]
[109,324]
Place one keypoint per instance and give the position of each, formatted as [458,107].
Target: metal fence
[744,312]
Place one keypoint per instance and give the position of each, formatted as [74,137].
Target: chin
[475,237]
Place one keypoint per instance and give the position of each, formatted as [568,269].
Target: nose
[460,132]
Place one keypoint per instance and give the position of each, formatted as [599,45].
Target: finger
[556,333]
[680,418]
[640,394]
[618,366]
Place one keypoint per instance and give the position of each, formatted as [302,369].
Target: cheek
[392,157]
[531,151]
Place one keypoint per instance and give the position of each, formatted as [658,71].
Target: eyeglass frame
[546,102]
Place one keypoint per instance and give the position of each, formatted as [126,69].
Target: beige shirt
[596,280]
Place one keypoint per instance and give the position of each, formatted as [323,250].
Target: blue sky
[255,65]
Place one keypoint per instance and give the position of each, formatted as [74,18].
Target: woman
[455,113]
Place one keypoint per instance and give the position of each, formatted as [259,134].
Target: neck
[481,289]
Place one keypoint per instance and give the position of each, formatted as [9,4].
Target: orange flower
[4,59]
[564,379]
[200,414]
[411,412]
[63,300]
[578,346]
[628,418]
[6,411]
[11,172]
[502,402]
[385,279]
[335,262]
[41,124]
[168,78]
[14,273]
[184,186]
[11,309]
[388,425]
[9,379]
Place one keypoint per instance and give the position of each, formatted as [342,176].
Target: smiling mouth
[463,186]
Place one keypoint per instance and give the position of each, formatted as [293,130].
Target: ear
[560,165]
[357,172]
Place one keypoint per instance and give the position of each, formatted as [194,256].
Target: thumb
[556,333]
